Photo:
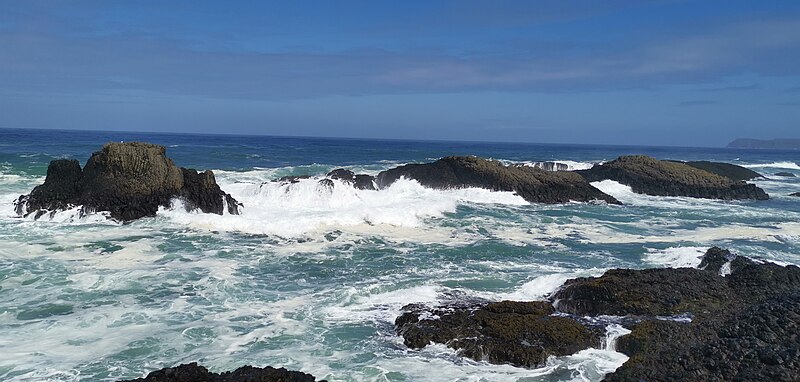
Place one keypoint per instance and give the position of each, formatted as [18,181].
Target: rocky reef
[646,175]
[192,372]
[730,319]
[785,174]
[533,184]
[128,180]
[730,171]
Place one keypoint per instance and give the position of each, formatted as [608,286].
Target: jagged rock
[61,189]
[651,176]
[516,333]
[359,181]
[192,372]
[785,174]
[128,180]
[730,171]
[744,326]
[200,191]
[533,184]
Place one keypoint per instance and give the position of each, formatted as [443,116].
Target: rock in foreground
[192,372]
[731,319]
[730,171]
[129,181]
[646,175]
[533,184]
[517,333]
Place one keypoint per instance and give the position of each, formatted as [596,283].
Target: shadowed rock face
[129,180]
[744,326]
[533,184]
[518,333]
[194,373]
[651,176]
[730,171]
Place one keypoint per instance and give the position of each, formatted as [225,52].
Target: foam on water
[785,164]
[675,257]
[292,210]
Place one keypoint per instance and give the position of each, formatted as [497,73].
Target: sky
[676,73]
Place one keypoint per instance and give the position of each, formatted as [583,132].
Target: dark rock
[325,185]
[651,176]
[200,191]
[364,182]
[730,171]
[61,189]
[795,194]
[715,258]
[516,333]
[291,178]
[533,184]
[359,181]
[129,180]
[785,174]
[192,372]
[342,174]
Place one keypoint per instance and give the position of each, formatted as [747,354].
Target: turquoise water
[313,281]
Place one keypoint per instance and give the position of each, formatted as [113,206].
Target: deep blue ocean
[313,281]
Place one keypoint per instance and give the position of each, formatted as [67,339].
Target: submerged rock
[192,372]
[533,184]
[795,194]
[646,175]
[517,333]
[128,180]
[785,174]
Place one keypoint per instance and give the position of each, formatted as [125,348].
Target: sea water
[312,280]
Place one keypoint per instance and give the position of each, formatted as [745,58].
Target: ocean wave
[787,165]
[292,210]
[675,257]
[552,165]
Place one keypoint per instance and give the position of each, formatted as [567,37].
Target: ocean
[313,281]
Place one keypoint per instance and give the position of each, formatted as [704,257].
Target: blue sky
[689,73]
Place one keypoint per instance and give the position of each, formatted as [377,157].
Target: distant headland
[774,144]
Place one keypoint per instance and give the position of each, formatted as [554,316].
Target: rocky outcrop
[785,174]
[731,319]
[533,184]
[359,181]
[730,171]
[795,194]
[517,333]
[646,175]
[192,372]
[129,181]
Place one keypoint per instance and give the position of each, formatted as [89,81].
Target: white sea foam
[787,165]
[291,210]
[675,257]
[569,165]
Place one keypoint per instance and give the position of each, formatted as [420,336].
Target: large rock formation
[646,175]
[533,184]
[359,181]
[731,319]
[518,333]
[192,372]
[128,180]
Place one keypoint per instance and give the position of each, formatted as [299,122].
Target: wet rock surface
[785,174]
[533,184]
[646,175]
[686,323]
[795,194]
[359,181]
[128,180]
[517,333]
[192,372]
